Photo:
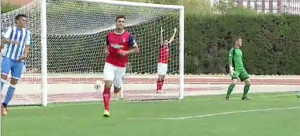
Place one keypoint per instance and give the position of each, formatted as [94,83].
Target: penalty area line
[215,114]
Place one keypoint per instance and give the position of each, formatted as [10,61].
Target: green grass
[85,119]
[7,7]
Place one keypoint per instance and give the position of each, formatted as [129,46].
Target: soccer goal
[67,50]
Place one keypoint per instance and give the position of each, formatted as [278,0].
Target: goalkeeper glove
[231,70]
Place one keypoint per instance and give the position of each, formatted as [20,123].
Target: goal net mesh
[76,39]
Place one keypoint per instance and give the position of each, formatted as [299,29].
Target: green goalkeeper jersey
[236,58]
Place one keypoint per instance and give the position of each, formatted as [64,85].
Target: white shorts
[114,73]
[162,69]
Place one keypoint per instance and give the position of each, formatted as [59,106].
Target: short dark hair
[19,16]
[236,38]
[120,16]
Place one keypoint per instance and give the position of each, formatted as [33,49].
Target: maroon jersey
[164,54]
[115,43]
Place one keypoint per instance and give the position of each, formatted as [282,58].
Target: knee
[248,82]
[4,77]
[117,89]
[161,78]
[234,81]
[107,84]
[13,81]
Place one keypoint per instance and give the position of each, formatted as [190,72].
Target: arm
[24,57]
[230,58]
[6,36]
[134,49]
[106,47]
[173,36]
[6,41]
[161,36]
[231,68]
[27,46]
[133,45]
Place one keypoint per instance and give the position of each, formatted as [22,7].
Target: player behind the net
[164,55]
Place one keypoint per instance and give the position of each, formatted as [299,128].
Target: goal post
[68,57]
[44,71]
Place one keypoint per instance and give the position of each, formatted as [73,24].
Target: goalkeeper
[237,69]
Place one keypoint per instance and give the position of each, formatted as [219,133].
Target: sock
[230,88]
[117,94]
[2,83]
[4,104]
[162,83]
[9,94]
[159,84]
[106,98]
[246,89]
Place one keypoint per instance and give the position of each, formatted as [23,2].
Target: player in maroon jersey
[120,43]
[162,66]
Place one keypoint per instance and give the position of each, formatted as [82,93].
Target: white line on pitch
[215,114]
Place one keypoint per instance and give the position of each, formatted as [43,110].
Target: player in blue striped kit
[16,46]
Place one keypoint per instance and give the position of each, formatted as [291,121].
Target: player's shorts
[240,73]
[13,66]
[114,73]
[162,69]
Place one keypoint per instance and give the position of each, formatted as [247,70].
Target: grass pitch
[266,114]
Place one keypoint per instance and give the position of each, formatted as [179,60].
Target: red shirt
[116,42]
[164,54]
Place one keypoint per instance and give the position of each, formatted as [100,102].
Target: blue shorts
[14,66]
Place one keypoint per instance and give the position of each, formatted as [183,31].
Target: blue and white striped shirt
[16,51]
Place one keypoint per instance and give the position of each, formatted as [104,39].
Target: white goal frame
[44,41]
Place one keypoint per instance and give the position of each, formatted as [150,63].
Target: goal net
[76,39]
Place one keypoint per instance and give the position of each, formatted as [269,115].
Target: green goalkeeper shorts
[240,73]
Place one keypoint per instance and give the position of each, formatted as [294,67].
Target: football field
[266,114]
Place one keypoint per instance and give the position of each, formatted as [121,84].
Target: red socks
[106,98]
[159,85]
